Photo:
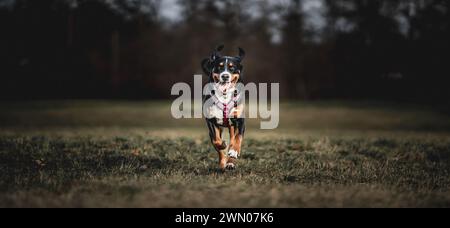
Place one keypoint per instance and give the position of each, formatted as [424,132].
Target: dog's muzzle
[225,77]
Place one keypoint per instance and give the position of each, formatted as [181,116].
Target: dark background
[396,50]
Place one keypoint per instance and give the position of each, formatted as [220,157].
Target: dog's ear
[220,47]
[207,63]
[241,54]
[216,54]
[206,66]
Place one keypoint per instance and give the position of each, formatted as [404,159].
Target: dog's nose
[225,77]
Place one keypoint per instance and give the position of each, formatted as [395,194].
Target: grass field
[133,154]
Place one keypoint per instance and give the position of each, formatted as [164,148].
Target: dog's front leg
[232,153]
[215,134]
[235,146]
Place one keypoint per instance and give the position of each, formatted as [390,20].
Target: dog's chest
[222,108]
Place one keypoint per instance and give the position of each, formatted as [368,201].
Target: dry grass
[121,154]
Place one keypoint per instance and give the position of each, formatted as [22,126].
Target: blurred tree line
[369,49]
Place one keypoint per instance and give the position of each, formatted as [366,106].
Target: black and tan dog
[224,73]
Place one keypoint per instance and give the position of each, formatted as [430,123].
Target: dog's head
[223,69]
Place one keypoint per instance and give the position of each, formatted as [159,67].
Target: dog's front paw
[230,166]
[231,163]
[233,154]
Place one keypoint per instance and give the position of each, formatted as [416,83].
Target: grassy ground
[133,154]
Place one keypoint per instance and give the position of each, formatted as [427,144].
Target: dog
[224,112]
